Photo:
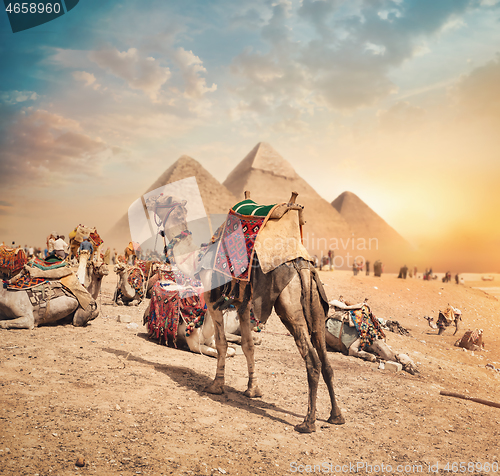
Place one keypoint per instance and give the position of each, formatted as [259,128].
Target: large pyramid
[382,241]
[271,179]
[216,198]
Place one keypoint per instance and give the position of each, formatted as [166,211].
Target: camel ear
[183,203]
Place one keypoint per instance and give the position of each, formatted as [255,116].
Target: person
[367,264]
[31,252]
[457,279]
[87,245]
[61,247]
[377,268]
[330,259]
[405,271]
[113,256]
[51,240]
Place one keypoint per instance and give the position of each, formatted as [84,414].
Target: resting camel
[299,301]
[12,261]
[19,313]
[200,340]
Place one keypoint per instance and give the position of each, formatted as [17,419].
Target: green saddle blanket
[250,208]
[51,263]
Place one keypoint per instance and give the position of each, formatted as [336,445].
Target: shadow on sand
[193,380]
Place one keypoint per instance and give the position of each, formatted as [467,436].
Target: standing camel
[298,299]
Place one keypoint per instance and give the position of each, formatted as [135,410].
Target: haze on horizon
[396,101]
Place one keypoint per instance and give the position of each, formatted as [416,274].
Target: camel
[20,313]
[199,340]
[12,261]
[130,288]
[76,238]
[299,301]
[130,255]
[96,270]
[343,337]
[450,316]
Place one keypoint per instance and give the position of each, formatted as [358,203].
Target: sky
[397,101]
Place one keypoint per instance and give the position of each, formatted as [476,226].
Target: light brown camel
[125,293]
[299,306]
[19,313]
[130,254]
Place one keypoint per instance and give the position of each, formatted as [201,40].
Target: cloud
[191,67]
[88,78]
[478,93]
[140,72]
[15,97]
[42,148]
[337,55]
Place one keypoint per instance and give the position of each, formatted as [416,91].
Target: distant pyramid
[216,198]
[386,243]
[271,179]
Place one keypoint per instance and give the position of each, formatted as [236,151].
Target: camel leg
[247,345]
[319,343]
[361,354]
[25,322]
[217,386]
[16,306]
[289,309]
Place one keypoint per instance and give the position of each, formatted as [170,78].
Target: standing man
[367,267]
[330,259]
[61,247]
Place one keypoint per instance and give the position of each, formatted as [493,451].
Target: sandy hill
[382,240]
[271,179]
[216,198]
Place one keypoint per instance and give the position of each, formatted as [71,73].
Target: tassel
[236,290]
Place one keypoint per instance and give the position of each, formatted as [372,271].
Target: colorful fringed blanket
[136,280]
[25,282]
[237,239]
[45,265]
[96,239]
[12,259]
[367,325]
[168,306]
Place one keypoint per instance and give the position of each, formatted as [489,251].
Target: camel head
[99,269]
[169,211]
[120,268]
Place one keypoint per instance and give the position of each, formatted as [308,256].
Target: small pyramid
[391,247]
[271,179]
[216,198]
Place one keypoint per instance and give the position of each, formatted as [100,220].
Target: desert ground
[125,405]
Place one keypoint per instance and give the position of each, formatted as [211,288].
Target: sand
[127,406]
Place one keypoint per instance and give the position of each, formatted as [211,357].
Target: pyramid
[271,179]
[216,198]
[383,241]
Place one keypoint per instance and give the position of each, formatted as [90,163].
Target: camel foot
[253,392]
[336,420]
[305,427]
[215,388]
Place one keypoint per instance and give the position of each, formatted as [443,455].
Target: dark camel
[306,325]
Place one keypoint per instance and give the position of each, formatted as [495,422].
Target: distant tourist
[330,259]
[367,264]
[377,268]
